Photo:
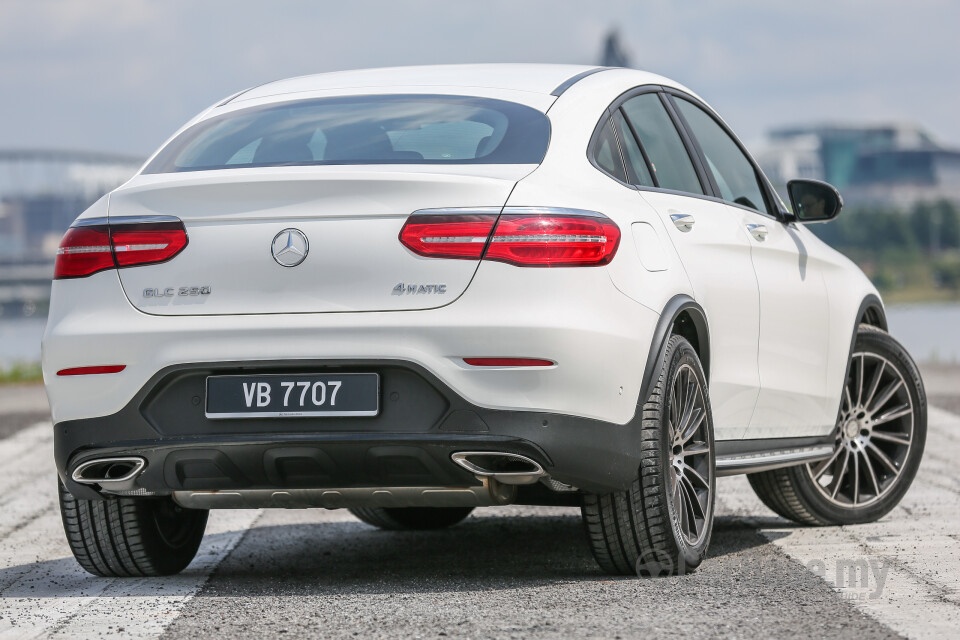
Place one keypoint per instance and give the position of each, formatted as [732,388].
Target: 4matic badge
[418,289]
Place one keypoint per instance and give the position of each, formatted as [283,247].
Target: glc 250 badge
[171,292]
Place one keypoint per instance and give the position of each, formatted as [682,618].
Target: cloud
[123,74]
[44,23]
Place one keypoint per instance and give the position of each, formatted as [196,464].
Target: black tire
[643,529]
[868,489]
[124,537]
[411,518]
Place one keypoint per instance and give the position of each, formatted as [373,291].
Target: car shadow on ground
[480,553]
[352,557]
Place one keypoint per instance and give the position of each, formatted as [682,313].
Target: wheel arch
[872,313]
[682,315]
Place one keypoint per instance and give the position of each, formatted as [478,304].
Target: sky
[122,75]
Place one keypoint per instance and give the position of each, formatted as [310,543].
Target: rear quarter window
[660,139]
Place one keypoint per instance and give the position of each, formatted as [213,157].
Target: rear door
[794,315]
[714,248]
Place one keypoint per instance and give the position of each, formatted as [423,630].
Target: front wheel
[662,524]
[878,443]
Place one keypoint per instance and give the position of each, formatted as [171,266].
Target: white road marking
[24,441]
[27,488]
[44,593]
[904,571]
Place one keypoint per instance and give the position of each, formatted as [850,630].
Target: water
[20,340]
[931,332]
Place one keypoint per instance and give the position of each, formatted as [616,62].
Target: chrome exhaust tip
[506,468]
[110,473]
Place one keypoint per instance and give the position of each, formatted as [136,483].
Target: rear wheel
[411,518]
[119,537]
[878,443]
[662,524]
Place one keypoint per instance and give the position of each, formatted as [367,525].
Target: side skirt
[751,456]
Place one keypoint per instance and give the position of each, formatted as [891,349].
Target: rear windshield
[393,129]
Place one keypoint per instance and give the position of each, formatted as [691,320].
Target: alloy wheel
[689,455]
[873,435]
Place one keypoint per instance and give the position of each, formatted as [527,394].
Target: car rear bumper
[574,417]
[422,422]
[598,338]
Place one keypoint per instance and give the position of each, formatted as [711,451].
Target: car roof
[545,79]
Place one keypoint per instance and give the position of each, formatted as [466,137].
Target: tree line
[917,248]
[926,227]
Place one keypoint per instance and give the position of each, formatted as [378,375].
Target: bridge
[25,287]
[41,192]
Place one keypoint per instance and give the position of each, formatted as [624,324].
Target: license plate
[293,396]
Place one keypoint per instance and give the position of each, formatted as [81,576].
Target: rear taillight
[448,236]
[91,248]
[137,244]
[525,237]
[552,240]
[84,251]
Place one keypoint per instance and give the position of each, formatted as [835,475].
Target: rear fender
[681,315]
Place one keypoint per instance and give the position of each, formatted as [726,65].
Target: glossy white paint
[796,396]
[351,215]
[650,247]
[575,318]
[535,79]
[715,252]
[781,313]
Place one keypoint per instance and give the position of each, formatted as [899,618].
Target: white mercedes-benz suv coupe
[411,292]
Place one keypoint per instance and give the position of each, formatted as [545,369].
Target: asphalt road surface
[513,572]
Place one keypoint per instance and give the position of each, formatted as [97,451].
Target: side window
[606,153]
[636,164]
[668,157]
[733,171]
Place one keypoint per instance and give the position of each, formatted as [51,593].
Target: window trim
[606,118]
[772,203]
[666,95]
[643,151]
[707,182]
[694,158]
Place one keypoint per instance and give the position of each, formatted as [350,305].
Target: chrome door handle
[758,231]
[683,221]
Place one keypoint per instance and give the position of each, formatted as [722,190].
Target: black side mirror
[814,200]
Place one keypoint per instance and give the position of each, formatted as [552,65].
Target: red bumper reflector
[509,362]
[86,371]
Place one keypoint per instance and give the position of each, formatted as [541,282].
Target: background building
[41,193]
[896,165]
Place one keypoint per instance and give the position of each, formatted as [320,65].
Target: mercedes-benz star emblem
[290,247]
